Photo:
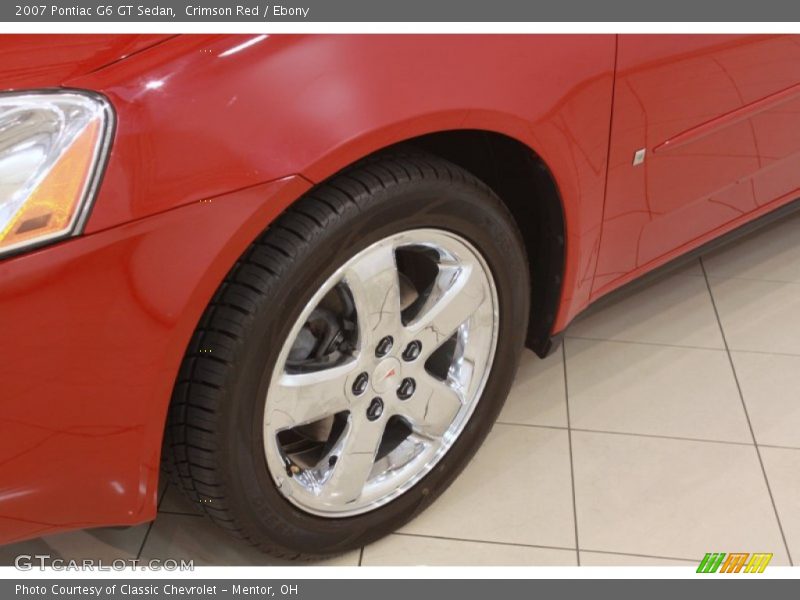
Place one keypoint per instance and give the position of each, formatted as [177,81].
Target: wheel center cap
[386,375]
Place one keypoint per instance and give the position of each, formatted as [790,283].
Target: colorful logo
[735,562]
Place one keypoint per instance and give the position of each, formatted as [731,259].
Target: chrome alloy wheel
[380,373]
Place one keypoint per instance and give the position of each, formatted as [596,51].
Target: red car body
[216,135]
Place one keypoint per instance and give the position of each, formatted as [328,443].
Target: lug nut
[406,388]
[375,409]
[360,383]
[384,346]
[412,351]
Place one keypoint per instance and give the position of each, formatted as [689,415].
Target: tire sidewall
[468,210]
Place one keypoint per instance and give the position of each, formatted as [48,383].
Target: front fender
[94,329]
[203,115]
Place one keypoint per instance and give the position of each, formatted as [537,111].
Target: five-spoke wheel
[354,359]
[380,373]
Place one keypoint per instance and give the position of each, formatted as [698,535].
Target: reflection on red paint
[217,134]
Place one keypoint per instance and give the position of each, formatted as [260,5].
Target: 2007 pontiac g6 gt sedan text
[297,272]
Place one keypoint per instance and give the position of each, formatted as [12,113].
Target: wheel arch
[522,180]
[526,186]
[511,168]
[324,102]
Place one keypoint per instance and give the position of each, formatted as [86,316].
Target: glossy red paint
[216,135]
[94,329]
[718,116]
[314,104]
[40,61]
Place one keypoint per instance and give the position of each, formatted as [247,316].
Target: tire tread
[190,442]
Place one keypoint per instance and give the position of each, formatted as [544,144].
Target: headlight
[52,147]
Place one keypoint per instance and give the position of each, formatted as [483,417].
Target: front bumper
[93,331]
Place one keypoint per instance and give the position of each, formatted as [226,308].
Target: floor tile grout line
[779,446]
[536,546]
[476,541]
[163,495]
[676,438]
[571,462]
[637,554]
[144,539]
[151,523]
[747,415]
[764,352]
[754,279]
[634,434]
[680,346]
[568,336]
[557,427]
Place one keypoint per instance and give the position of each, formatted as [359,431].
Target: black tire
[214,442]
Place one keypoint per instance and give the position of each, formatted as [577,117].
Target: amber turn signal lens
[51,146]
[51,205]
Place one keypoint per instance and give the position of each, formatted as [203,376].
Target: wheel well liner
[527,187]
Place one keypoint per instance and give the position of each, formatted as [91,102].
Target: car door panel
[716,116]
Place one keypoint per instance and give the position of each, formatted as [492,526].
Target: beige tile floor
[667,426]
